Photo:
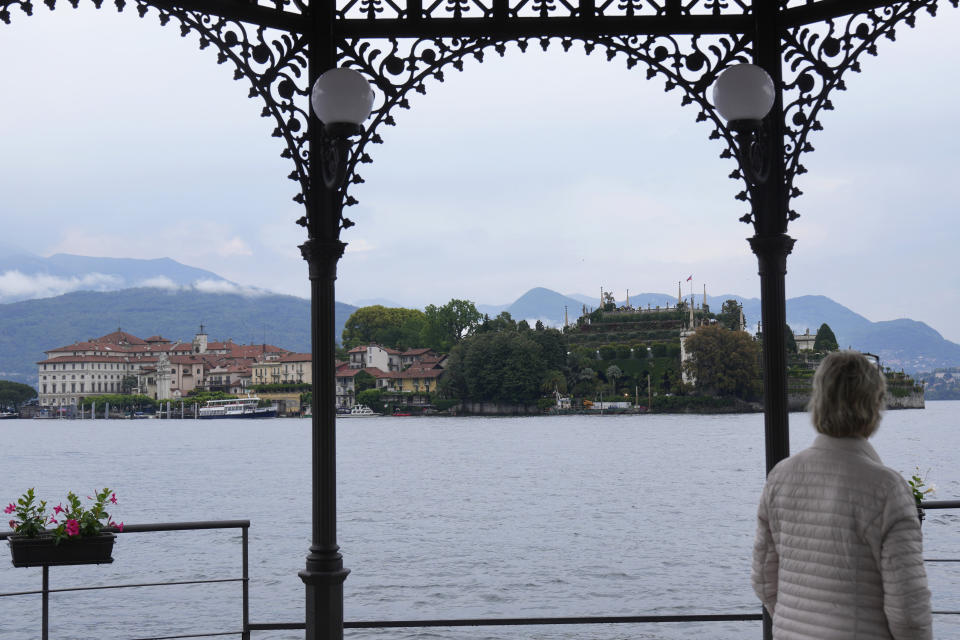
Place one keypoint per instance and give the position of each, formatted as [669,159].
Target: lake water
[440,518]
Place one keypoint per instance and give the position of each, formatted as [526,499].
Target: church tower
[200,342]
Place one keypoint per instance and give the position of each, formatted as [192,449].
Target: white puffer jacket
[839,553]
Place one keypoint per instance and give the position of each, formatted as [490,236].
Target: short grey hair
[849,393]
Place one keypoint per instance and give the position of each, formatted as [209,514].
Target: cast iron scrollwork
[275,64]
[689,63]
[815,59]
[439,9]
[273,61]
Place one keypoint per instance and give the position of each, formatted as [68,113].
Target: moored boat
[359,411]
[236,408]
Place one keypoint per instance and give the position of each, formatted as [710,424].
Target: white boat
[359,411]
[237,408]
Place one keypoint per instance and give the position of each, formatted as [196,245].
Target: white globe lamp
[744,92]
[342,97]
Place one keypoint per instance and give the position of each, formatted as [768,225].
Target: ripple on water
[442,518]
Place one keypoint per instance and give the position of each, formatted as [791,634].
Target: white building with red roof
[121,362]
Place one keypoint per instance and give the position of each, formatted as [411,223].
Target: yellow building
[296,368]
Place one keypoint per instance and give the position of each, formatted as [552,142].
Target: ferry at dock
[359,411]
[237,408]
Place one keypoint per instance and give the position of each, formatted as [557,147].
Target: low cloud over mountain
[26,277]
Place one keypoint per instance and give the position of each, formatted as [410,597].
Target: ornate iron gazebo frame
[281,46]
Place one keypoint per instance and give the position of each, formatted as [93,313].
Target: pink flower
[53,520]
[58,509]
[120,527]
[13,524]
[73,527]
[9,508]
[113,498]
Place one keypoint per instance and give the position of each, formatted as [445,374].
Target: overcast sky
[122,139]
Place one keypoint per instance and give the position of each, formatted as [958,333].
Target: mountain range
[188,297]
[25,276]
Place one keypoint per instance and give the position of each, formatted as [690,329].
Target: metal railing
[244,579]
[248,627]
[583,620]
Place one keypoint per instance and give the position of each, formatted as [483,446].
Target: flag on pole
[690,278]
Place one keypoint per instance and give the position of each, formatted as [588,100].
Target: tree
[613,372]
[447,325]
[14,394]
[503,322]
[128,384]
[789,340]
[554,348]
[393,327]
[496,366]
[825,340]
[554,381]
[609,304]
[729,316]
[371,398]
[724,363]
[363,381]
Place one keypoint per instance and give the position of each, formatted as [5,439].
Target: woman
[838,553]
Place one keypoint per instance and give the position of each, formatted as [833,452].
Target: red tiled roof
[417,352]
[78,346]
[67,359]
[120,337]
[296,357]
[358,350]
[346,372]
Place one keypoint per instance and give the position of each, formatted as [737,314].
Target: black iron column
[770,243]
[324,573]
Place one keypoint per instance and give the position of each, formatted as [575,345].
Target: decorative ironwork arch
[406,66]
[268,45]
[281,47]
[273,59]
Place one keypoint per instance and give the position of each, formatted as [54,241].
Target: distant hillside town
[161,369]
[681,356]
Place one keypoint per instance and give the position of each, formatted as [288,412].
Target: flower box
[42,550]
